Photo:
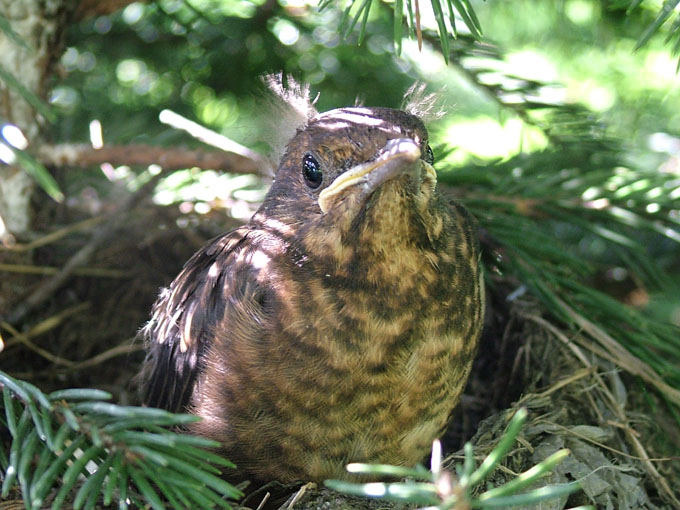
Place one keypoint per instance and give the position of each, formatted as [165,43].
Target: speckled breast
[364,360]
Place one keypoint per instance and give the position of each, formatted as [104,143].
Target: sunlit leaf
[42,176]
[664,13]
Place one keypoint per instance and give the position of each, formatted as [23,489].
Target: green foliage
[555,227]
[127,67]
[446,25]
[446,13]
[666,12]
[560,216]
[73,445]
[578,206]
[440,490]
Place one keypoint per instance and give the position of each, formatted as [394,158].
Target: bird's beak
[401,156]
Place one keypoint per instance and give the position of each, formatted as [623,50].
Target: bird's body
[339,325]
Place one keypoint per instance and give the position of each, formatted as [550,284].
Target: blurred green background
[204,59]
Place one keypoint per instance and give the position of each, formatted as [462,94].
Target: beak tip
[407,148]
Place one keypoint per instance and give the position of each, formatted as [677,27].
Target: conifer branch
[72,445]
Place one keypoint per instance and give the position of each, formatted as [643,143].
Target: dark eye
[428,157]
[311,170]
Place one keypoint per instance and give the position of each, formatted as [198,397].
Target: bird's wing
[182,322]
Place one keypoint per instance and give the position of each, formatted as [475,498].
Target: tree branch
[91,8]
[170,158]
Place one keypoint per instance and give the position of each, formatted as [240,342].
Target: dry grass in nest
[83,333]
[579,401]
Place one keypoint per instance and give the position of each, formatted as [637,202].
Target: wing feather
[185,313]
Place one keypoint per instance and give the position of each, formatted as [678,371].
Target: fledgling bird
[339,325]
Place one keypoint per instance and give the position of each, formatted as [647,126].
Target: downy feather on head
[427,106]
[289,107]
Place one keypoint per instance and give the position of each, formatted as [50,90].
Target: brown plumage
[340,323]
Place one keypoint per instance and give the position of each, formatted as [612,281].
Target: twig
[55,235]
[217,140]
[660,482]
[299,494]
[587,439]
[121,349]
[48,270]
[264,500]
[584,372]
[50,323]
[35,348]
[620,355]
[169,158]
[15,504]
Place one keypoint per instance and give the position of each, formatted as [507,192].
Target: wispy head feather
[288,109]
[421,104]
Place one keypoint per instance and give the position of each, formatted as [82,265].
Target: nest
[586,404]
[82,334]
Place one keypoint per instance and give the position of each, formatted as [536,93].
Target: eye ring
[428,156]
[311,171]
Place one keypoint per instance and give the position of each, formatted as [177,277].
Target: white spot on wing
[259,259]
[214,271]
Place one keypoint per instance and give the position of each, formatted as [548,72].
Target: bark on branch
[91,8]
[169,158]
